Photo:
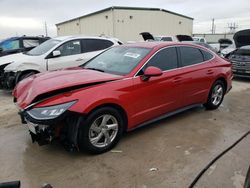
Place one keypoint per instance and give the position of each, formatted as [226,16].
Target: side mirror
[1,49]
[151,72]
[56,53]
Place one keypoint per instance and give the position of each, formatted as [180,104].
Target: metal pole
[213,26]
[46,29]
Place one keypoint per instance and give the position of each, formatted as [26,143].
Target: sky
[19,17]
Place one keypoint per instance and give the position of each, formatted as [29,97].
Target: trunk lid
[147,36]
[242,38]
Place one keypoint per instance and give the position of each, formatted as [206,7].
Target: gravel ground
[168,153]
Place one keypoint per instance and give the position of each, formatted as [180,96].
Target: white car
[54,54]
[226,51]
[166,38]
[200,39]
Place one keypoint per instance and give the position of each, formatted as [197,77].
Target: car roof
[157,44]
[160,44]
[70,37]
[192,42]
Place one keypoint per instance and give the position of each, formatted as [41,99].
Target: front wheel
[101,131]
[26,75]
[216,95]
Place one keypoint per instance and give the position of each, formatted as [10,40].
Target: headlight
[51,112]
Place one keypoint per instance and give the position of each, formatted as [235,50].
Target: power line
[232,27]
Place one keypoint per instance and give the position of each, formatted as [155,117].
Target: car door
[158,95]
[196,74]
[71,56]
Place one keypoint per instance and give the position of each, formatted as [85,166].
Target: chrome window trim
[136,74]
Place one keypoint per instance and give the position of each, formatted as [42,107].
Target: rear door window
[190,56]
[90,45]
[165,59]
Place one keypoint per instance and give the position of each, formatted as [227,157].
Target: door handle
[80,59]
[177,79]
[210,72]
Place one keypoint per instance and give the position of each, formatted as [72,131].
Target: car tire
[247,180]
[216,95]
[95,134]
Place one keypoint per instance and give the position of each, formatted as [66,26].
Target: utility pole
[232,27]
[46,29]
[213,27]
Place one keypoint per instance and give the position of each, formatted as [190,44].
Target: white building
[126,23]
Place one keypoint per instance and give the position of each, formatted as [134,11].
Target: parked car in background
[20,44]
[226,51]
[240,58]
[224,43]
[166,38]
[202,44]
[54,54]
[200,39]
[215,46]
[149,37]
[123,88]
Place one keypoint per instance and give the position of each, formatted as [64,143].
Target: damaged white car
[54,54]
[240,58]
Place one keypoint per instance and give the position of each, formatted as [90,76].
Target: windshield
[44,47]
[118,60]
[245,47]
[10,44]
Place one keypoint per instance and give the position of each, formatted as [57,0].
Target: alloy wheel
[217,94]
[103,130]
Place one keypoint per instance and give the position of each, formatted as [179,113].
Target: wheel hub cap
[217,95]
[103,130]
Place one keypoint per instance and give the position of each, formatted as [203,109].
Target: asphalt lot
[169,153]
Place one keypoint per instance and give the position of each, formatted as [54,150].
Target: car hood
[45,85]
[242,38]
[11,58]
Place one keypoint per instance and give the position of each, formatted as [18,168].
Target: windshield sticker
[133,55]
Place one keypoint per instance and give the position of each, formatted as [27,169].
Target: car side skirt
[169,114]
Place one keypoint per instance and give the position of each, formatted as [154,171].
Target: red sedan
[125,87]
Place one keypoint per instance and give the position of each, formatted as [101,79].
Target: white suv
[54,54]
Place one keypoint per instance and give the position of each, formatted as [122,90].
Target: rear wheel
[101,131]
[216,95]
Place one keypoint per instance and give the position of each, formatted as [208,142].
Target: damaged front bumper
[42,134]
[64,128]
